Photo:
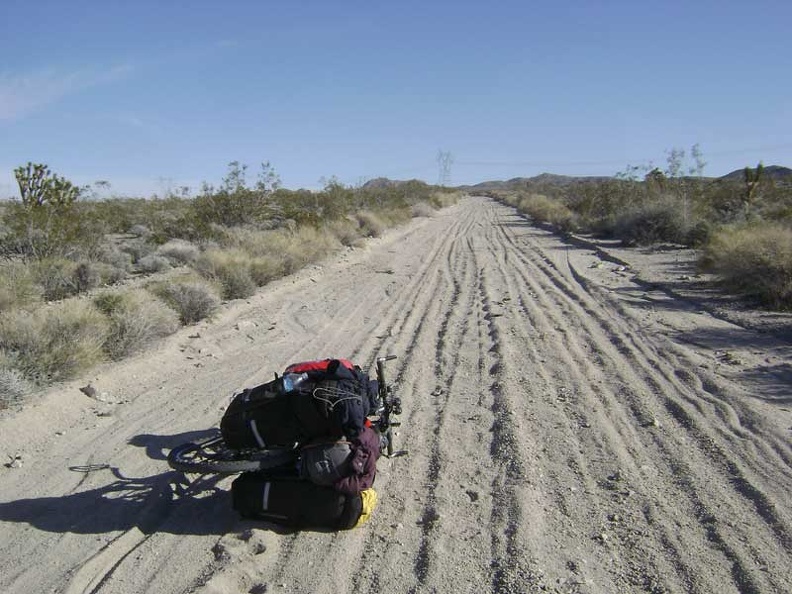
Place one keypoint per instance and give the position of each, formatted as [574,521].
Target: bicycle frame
[391,405]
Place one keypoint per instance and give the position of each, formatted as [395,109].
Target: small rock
[259,548]
[16,461]
[89,391]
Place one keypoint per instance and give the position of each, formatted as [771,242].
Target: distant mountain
[547,179]
[384,182]
[776,172]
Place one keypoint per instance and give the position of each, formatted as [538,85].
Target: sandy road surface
[565,430]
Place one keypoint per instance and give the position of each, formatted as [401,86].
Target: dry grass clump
[547,210]
[306,245]
[193,298]
[137,319]
[54,342]
[371,223]
[179,251]
[229,267]
[422,209]
[14,387]
[444,199]
[265,268]
[755,261]
[17,286]
[291,248]
[346,231]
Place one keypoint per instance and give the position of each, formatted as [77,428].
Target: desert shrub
[55,342]
[422,209]
[442,199]
[137,318]
[371,224]
[231,268]
[265,268]
[57,277]
[547,210]
[755,261]
[193,298]
[14,387]
[17,286]
[345,231]
[153,263]
[291,249]
[179,251]
[139,231]
[87,275]
[60,278]
[111,254]
[663,219]
[306,245]
[137,249]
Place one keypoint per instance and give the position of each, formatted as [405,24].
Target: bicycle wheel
[212,456]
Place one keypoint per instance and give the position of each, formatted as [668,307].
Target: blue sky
[157,95]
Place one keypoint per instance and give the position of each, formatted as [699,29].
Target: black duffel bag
[298,503]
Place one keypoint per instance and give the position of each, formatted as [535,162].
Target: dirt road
[565,431]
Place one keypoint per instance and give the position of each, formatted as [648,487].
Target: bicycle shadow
[166,502]
[159,503]
[158,446]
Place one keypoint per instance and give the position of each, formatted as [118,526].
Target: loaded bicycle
[270,426]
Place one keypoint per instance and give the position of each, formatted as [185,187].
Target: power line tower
[444,161]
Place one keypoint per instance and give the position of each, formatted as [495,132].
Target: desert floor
[576,419]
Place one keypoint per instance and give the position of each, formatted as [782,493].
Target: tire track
[657,384]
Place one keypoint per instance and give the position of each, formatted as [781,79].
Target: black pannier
[265,417]
[295,502]
[331,401]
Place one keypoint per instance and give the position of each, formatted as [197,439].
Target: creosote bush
[137,319]
[661,220]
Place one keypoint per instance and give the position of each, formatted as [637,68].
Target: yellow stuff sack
[369,498]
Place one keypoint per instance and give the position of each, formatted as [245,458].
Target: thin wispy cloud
[23,94]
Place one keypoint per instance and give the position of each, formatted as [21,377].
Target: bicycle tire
[211,456]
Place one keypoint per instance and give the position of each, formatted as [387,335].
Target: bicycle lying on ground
[213,455]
